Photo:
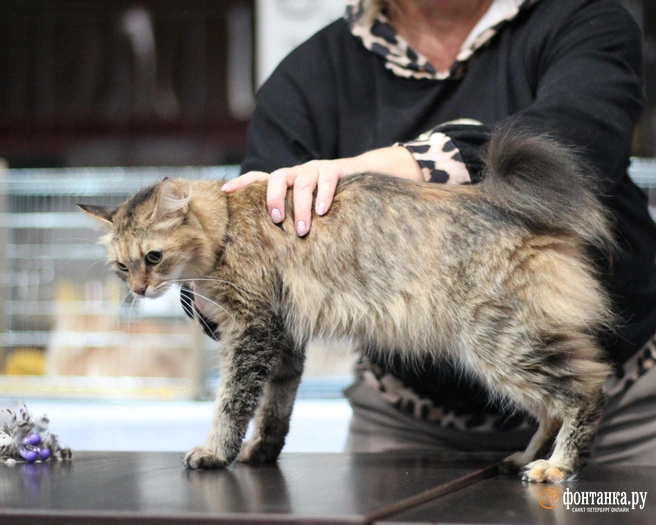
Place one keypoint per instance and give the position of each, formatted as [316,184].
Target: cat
[496,276]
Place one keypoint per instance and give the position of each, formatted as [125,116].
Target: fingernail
[321,208]
[225,187]
[300,229]
[275,215]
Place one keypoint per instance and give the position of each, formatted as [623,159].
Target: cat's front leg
[247,363]
[271,422]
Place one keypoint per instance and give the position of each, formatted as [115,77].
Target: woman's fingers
[321,176]
[243,180]
[304,186]
[329,175]
[279,182]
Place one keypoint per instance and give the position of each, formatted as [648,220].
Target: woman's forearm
[396,161]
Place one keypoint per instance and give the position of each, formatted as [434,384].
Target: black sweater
[568,67]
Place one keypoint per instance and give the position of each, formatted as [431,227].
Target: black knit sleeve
[589,93]
[294,121]
[280,133]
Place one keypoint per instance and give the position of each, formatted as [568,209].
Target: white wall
[281,25]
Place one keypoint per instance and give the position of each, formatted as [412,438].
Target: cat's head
[154,240]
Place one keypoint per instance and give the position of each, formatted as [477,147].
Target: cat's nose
[141,290]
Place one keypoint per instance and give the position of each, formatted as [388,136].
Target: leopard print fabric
[438,157]
[379,37]
[636,367]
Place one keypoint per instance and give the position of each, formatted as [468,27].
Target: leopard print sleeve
[439,158]
[450,153]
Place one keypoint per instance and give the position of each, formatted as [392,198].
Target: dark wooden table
[382,488]
[102,488]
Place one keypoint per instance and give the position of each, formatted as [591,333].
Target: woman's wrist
[396,161]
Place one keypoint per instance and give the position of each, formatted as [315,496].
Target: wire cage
[68,326]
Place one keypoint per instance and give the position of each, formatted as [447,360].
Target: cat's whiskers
[196,294]
[86,240]
[202,322]
[90,241]
[95,263]
[132,310]
[166,282]
[116,294]
[213,279]
[128,315]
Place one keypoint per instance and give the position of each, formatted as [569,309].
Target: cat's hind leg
[573,445]
[271,421]
[556,379]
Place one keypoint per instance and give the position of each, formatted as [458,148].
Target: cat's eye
[154,257]
[121,266]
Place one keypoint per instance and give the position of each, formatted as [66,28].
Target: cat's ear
[172,203]
[106,215]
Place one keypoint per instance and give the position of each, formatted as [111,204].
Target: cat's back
[387,228]
[418,210]
[372,214]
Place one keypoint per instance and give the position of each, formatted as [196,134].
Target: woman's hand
[323,176]
[320,175]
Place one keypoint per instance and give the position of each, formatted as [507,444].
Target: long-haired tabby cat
[493,276]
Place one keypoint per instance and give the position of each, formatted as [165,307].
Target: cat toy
[27,439]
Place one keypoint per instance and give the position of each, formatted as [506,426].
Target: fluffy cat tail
[544,183]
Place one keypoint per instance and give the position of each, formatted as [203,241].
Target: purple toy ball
[33,439]
[30,456]
[30,451]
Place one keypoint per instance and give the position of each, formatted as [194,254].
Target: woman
[414,88]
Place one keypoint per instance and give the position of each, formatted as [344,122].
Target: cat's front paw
[258,451]
[201,458]
[545,471]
